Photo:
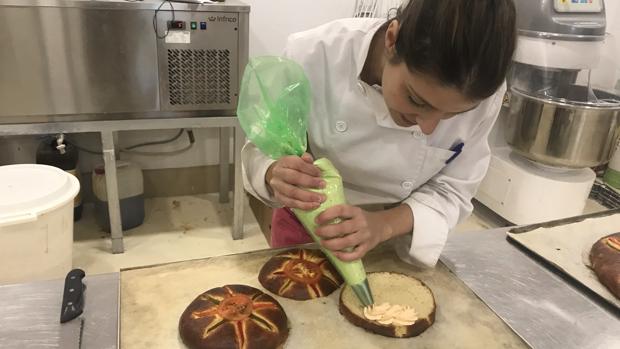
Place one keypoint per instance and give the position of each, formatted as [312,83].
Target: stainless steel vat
[563,132]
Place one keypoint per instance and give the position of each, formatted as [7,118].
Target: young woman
[403,109]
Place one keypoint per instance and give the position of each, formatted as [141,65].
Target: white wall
[613,27]
[271,21]
[613,17]
[607,74]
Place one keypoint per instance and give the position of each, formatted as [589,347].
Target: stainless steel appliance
[563,132]
[119,59]
[561,116]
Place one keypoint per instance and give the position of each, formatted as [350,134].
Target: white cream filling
[391,314]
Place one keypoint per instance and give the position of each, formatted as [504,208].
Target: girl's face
[414,98]
[419,99]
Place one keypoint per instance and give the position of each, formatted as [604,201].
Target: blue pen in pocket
[457,149]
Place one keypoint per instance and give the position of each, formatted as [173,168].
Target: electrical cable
[157,153]
[190,135]
[155,19]
[177,136]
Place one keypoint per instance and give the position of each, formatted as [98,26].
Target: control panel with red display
[576,6]
[176,25]
[181,25]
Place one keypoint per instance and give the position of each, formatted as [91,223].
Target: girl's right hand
[288,177]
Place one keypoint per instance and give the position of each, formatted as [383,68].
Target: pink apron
[286,230]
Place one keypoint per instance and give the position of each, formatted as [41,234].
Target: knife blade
[71,334]
[72,307]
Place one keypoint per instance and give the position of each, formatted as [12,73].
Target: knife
[72,307]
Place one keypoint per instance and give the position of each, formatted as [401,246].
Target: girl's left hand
[359,229]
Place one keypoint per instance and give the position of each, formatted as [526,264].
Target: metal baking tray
[565,245]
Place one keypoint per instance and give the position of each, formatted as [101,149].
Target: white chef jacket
[381,162]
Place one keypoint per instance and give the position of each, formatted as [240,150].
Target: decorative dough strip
[286,286]
[212,327]
[264,305]
[613,243]
[264,323]
[276,274]
[230,292]
[199,314]
[209,297]
[314,291]
[240,335]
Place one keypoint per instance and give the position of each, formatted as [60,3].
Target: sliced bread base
[391,288]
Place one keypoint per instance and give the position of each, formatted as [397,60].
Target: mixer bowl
[566,131]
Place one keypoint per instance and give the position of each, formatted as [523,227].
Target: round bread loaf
[234,317]
[395,289]
[605,261]
[300,274]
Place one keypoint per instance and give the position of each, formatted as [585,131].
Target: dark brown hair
[467,44]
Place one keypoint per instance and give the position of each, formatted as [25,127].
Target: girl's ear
[391,35]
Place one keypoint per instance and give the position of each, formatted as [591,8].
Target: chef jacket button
[407,185]
[362,88]
[341,126]
[417,134]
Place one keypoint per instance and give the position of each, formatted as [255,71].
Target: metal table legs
[111,181]
[239,193]
[109,157]
[109,129]
[224,164]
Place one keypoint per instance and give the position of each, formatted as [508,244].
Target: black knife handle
[73,296]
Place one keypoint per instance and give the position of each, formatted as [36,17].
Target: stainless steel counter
[30,314]
[543,308]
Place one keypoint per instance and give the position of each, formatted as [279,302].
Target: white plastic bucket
[36,222]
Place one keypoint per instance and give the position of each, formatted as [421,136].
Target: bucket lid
[28,190]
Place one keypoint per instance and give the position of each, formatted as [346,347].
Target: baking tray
[565,246]
[153,298]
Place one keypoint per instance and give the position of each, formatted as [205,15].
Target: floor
[175,228]
[193,227]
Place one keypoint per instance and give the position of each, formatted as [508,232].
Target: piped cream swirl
[391,314]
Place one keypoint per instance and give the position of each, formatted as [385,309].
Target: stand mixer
[556,122]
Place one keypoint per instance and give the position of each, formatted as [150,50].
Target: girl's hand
[287,177]
[358,229]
